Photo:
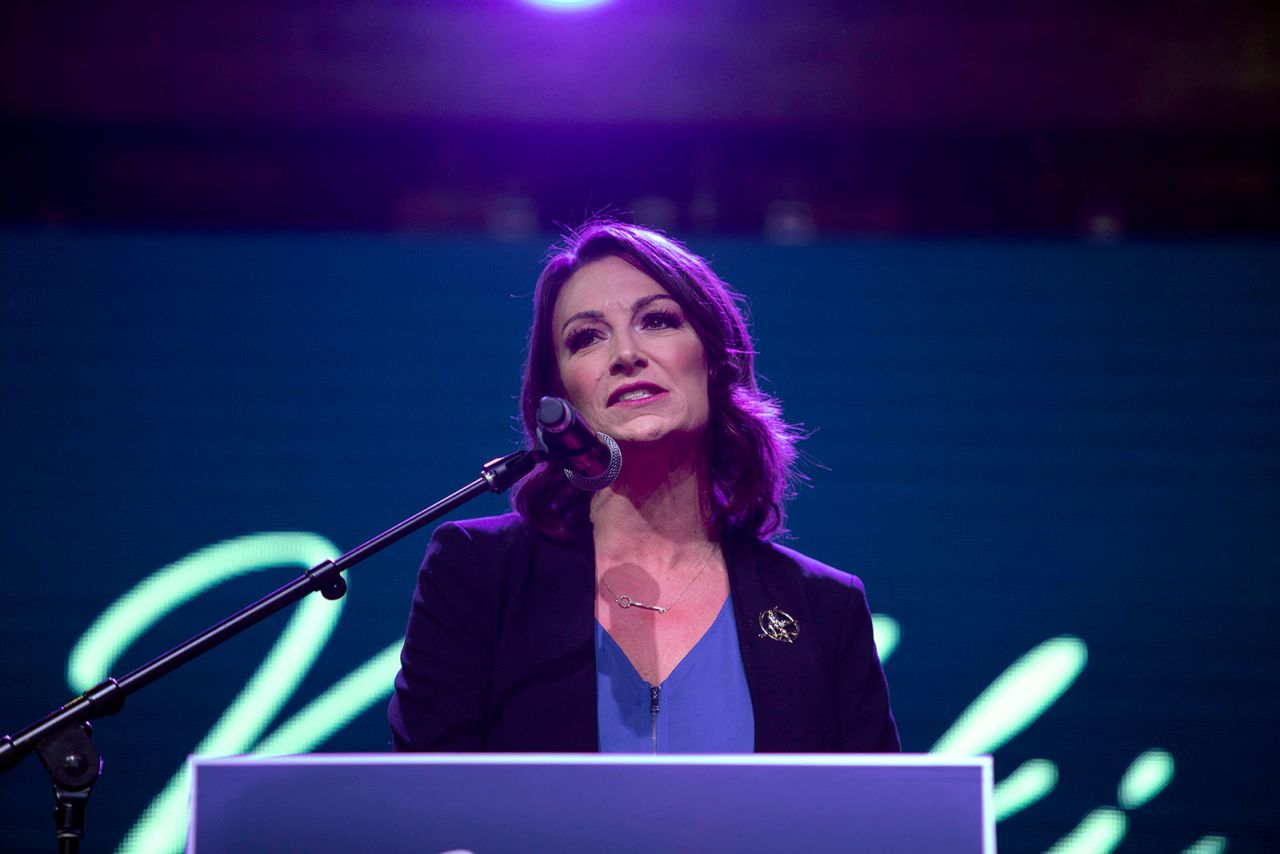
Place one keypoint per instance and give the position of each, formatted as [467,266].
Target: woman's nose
[626,358]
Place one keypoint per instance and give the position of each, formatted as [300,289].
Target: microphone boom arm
[62,736]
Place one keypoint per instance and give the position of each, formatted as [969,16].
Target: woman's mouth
[636,394]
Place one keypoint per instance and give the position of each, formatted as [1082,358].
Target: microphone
[592,460]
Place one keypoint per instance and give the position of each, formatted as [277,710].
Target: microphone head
[608,476]
[594,458]
[554,414]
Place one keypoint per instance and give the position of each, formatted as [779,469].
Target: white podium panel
[498,803]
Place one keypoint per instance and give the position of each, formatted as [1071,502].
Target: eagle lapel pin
[777,624]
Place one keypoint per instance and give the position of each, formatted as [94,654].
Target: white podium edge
[985,763]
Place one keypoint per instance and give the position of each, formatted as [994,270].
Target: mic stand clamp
[73,764]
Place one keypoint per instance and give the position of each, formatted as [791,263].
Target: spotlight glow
[566,5]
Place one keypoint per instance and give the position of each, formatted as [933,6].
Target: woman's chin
[638,437]
[654,434]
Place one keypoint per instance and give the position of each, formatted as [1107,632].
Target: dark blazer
[500,650]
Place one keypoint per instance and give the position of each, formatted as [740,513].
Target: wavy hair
[753,452]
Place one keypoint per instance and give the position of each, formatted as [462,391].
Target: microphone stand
[61,738]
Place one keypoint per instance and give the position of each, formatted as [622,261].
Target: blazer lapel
[558,638]
[786,714]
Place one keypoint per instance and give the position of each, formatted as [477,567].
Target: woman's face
[628,358]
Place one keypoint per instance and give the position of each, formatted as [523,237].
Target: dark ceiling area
[796,120]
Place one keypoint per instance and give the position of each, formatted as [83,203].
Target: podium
[497,803]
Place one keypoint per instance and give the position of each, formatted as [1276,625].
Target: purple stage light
[566,5]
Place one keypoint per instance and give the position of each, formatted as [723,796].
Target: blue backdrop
[1011,443]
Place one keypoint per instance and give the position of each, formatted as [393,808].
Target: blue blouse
[702,707]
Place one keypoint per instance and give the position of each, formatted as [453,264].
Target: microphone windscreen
[553,414]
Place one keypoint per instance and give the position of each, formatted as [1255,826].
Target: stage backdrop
[1055,466]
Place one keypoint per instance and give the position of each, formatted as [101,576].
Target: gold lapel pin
[777,624]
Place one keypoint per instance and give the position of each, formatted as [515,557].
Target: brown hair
[752,448]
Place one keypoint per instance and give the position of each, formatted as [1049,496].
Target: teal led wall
[1054,466]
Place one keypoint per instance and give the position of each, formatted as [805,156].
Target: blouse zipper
[653,716]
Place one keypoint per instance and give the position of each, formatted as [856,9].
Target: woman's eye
[660,320]
[580,338]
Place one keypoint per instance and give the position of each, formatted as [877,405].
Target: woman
[654,615]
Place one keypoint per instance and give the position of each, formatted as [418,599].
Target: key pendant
[627,602]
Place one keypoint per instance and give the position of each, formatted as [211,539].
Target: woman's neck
[660,505]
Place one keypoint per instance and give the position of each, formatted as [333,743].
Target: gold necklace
[624,601]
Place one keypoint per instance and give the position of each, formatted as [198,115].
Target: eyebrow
[598,315]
